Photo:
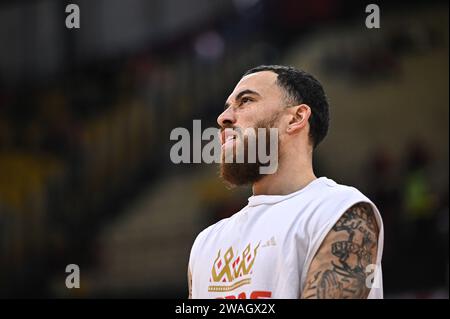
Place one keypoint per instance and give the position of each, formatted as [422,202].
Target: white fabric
[282,234]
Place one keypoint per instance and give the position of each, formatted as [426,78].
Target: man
[299,236]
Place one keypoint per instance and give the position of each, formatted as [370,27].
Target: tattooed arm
[338,270]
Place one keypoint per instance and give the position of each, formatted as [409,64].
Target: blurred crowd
[74,150]
[415,213]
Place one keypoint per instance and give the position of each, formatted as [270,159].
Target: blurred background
[85,118]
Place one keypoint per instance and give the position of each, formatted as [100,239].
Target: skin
[257,97]
[190,283]
[243,111]
[338,270]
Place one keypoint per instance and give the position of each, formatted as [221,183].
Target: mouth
[229,141]
[228,137]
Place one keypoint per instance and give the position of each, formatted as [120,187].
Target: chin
[239,174]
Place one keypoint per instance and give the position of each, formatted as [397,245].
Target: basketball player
[299,236]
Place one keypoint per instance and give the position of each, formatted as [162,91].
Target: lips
[227,137]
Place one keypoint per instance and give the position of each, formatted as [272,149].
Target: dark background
[85,118]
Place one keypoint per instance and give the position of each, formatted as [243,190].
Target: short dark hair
[302,87]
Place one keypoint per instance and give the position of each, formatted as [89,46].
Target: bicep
[338,270]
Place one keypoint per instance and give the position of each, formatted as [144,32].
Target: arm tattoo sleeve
[338,270]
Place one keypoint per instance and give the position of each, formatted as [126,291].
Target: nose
[227,118]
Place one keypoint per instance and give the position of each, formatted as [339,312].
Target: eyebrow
[241,94]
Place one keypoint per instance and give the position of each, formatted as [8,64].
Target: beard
[238,174]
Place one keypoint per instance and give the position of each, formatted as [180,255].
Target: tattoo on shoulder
[340,270]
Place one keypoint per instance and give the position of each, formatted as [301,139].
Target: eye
[245,100]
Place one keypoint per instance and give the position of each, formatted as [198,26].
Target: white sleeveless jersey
[264,250]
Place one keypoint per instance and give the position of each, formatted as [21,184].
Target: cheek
[255,114]
[283,137]
[246,119]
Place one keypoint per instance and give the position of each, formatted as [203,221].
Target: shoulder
[331,202]
[206,234]
[336,198]
[349,199]
[332,191]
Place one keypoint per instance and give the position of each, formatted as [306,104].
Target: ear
[300,117]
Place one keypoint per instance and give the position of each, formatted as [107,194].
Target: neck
[289,178]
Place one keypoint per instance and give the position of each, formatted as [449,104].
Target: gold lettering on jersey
[231,269]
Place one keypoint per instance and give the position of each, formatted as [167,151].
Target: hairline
[289,99]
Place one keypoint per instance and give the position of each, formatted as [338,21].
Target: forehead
[264,83]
